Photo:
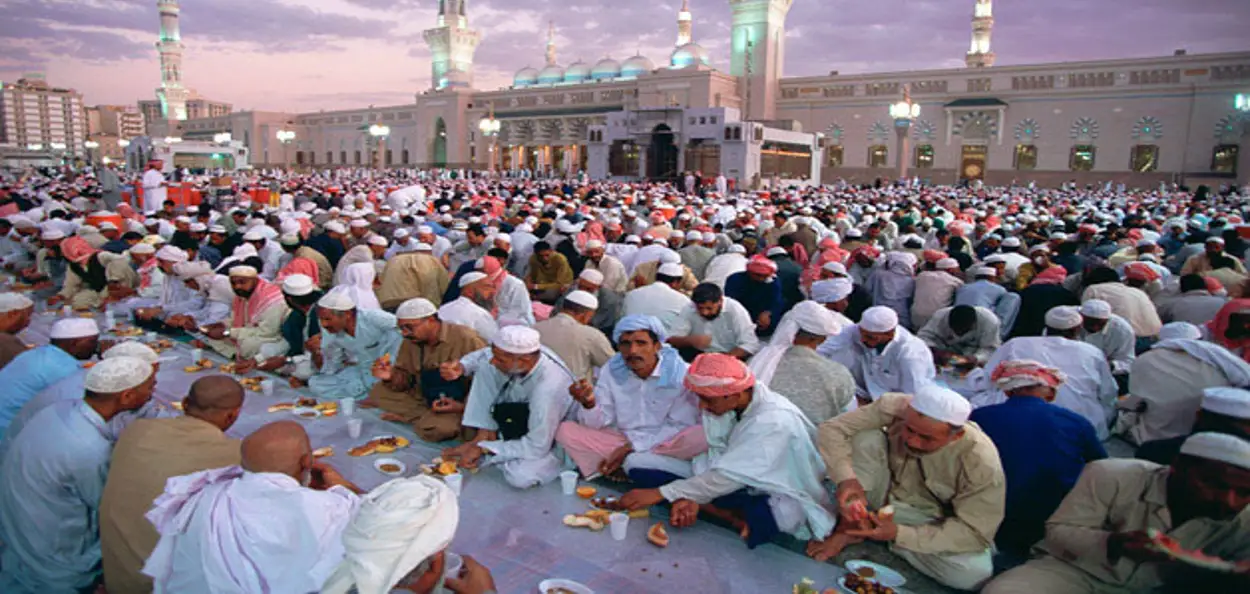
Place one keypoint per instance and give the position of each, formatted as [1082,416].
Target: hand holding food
[583,392]
[451,370]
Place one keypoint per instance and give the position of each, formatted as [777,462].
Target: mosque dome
[578,71]
[551,75]
[455,78]
[691,54]
[637,65]
[525,77]
[606,68]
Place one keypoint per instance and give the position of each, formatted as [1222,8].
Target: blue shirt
[28,374]
[1043,449]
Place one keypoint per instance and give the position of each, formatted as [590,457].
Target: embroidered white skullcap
[132,348]
[708,237]
[942,404]
[377,240]
[195,227]
[1064,317]
[633,239]
[831,290]
[253,235]
[288,238]
[415,309]
[835,267]
[518,340]
[672,269]
[670,257]
[594,244]
[335,227]
[1011,242]
[422,246]
[1219,447]
[980,271]
[1096,308]
[400,233]
[14,302]
[776,251]
[878,319]
[52,234]
[591,276]
[143,248]
[244,271]
[583,299]
[995,259]
[170,253]
[1227,401]
[1215,239]
[694,236]
[947,264]
[504,237]
[737,248]
[117,374]
[425,230]
[74,328]
[1179,331]
[217,229]
[359,223]
[470,278]
[107,225]
[854,233]
[1039,248]
[298,285]
[338,299]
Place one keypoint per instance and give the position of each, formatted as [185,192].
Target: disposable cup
[66,310]
[347,406]
[453,564]
[266,387]
[455,482]
[197,355]
[619,525]
[150,336]
[568,482]
[354,426]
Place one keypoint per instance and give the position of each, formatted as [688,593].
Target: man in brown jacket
[401,388]
[149,452]
[940,473]
[412,274]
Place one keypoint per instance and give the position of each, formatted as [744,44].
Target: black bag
[513,419]
[433,385]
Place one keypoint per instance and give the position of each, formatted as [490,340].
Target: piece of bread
[657,535]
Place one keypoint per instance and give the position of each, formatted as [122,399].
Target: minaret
[979,55]
[758,45]
[172,95]
[452,45]
[551,43]
[684,24]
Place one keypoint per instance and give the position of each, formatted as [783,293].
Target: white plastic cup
[266,387]
[453,564]
[150,336]
[354,427]
[619,524]
[455,482]
[347,406]
[197,355]
[568,482]
[109,320]
[66,310]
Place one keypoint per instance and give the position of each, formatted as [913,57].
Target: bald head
[281,447]
[216,399]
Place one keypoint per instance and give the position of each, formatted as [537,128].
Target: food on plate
[657,535]
[127,331]
[89,364]
[559,590]
[306,401]
[447,468]
[884,513]
[586,492]
[323,452]
[227,368]
[329,408]
[251,383]
[281,406]
[862,585]
[576,521]
[1171,547]
[379,445]
[385,359]
[389,467]
[192,369]
[177,405]
[599,515]
[640,513]
[307,414]
[608,502]
[866,572]
[363,450]
[805,586]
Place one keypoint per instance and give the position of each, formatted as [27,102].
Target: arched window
[1224,159]
[833,155]
[1144,158]
[924,156]
[878,154]
[1025,157]
[1081,158]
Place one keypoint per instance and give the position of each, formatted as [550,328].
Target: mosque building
[1137,121]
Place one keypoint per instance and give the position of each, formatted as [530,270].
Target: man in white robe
[255,327]
[714,323]
[614,277]
[726,264]
[153,187]
[209,522]
[660,299]
[519,397]
[1110,334]
[473,308]
[882,355]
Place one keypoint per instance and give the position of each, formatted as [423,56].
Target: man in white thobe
[1110,334]
[153,188]
[474,305]
[660,299]
[714,323]
[613,270]
[883,356]
[352,339]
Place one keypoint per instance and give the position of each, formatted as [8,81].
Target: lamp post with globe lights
[285,137]
[490,127]
[904,113]
[378,134]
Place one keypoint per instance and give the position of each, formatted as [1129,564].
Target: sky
[309,55]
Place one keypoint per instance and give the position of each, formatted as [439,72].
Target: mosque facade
[1133,121]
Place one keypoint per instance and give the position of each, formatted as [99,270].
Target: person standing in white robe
[154,193]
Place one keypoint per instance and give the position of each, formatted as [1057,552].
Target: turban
[14,302]
[117,374]
[1064,317]
[142,248]
[1023,373]
[74,328]
[170,253]
[518,340]
[335,227]
[636,322]
[761,265]
[942,404]
[1179,331]
[1053,275]
[829,291]
[717,375]
[866,250]
[947,264]
[77,250]
[933,255]
[190,270]
[132,348]
[878,319]
[1218,447]
[1096,308]
[1140,271]
[814,319]
[396,527]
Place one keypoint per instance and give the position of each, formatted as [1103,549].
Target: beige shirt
[454,342]
[1170,383]
[325,272]
[414,274]
[961,485]
[1122,495]
[149,452]
[934,291]
[582,348]
[614,275]
[1130,303]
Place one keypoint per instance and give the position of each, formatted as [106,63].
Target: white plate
[377,464]
[306,412]
[569,585]
[883,575]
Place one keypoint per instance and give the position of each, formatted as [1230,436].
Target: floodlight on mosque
[91,144]
[1242,102]
[490,126]
[378,130]
[285,136]
[224,137]
[905,110]
[122,142]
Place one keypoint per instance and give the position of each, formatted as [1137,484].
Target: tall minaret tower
[758,45]
[979,55]
[684,24]
[172,95]
[551,43]
[452,45]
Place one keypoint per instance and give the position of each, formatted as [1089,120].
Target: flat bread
[281,406]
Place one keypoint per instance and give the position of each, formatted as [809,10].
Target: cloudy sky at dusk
[335,54]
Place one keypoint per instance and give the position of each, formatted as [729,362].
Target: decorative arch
[878,132]
[923,130]
[1228,128]
[976,125]
[438,149]
[1147,128]
[1028,130]
[833,134]
[1084,129]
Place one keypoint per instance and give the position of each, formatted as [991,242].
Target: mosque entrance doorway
[662,154]
[972,162]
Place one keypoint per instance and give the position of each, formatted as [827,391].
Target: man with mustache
[256,321]
[714,323]
[475,307]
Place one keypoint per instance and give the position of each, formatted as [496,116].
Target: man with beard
[90,272]
[882,355]
[301,294]
[256,323]
[475,306]
[351,340]
[71,341]
[714,323]
[613,271]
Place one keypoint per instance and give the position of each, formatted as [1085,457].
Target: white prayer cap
[217,229]
[671,269]
[359,223]
[813,318]
[1059,236]
[708,237]
[74,328]
[1215,239]
[132,348]
[253,235]
[947,264]
[980,271]
[737,248]
[594,244]
[591,276]
[244,272]
[195,227]
[1096,308]
[1145,242]
[87,230]
[854,233]
[151,221]
[633,239]
[1227,401]
[942,404]
[415,309]
[182,219]
[835,267]
[504,237]
[117,374]
[396,527]
[107,225]
[1011,242]
[1064,317]
[995,259]
[400,233]
[1219,447]
[377,240]
[1040,248]
[52,234]
[470,278]
[518,340]
[1179,330]
[831,290]
[288,238]
[335,227]
[170,253]
[878,319]
[776,251]
[143,248]
[425,230]
[583,299]
[298,285]
[338,299]
[14,302]
[694,236]
[422,246]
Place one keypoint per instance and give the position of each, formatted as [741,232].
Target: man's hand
[684,514]
[445,405]
[613,463]
[852,500]
[313,343]
[244,365]
[296,383]
[325,476]
[1135,545]
[383,370]
[474,578]
[467,454]
[764,320]
[583,392]
[641,498]
[215,331]
[55,299]
[451,370]
[271,364]
[880,528]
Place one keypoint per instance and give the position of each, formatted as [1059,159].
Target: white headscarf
[358,281]
[809,316]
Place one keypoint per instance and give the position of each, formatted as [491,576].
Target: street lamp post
[904,113]
[490,127]
[379,132]
[1241,102]
[285,137]
[122,143]
[90,145]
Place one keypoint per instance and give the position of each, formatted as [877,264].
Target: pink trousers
[590,447]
